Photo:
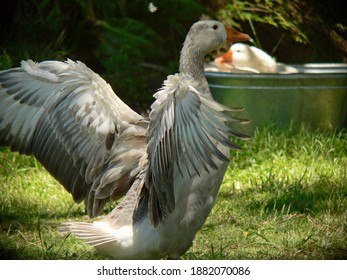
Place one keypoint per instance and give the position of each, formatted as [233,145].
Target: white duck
[245,59]
[169,167]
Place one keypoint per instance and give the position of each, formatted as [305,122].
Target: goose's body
[169,167]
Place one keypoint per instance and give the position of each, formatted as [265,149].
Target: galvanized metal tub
[315,96]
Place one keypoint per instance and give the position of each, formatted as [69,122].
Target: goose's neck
[192,61]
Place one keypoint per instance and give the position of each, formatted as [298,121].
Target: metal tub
[315,96]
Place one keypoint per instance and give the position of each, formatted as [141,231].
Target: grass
[283,197]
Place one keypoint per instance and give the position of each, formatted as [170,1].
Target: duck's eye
[215,27]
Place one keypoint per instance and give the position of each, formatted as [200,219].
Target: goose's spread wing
[75,125]
[185,130]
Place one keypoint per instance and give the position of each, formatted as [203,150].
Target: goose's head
[209,35]
[203,37]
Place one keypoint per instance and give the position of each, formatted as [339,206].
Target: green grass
[283,197]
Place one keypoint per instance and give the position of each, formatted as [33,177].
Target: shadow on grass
[8,254]
[298,197]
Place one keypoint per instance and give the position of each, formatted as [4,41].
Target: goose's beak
[235,36]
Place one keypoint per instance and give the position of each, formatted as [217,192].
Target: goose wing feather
[75,125]
[185,131]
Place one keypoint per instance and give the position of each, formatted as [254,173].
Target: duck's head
[210,35]
[243,54]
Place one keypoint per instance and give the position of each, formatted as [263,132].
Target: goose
[167,167]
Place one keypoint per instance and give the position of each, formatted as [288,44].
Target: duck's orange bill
[225,58]
[235,36]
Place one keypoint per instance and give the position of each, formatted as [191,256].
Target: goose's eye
[215,27]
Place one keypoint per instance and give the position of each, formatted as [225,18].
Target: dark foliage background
[134,49]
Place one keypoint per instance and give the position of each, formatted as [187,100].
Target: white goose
[169,167]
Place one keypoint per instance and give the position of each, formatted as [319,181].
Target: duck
[238,59]
[166,169]
[253,59]
[243,58]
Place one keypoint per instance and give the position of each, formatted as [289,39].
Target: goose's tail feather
[94,234]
